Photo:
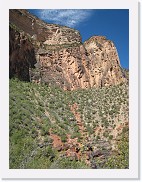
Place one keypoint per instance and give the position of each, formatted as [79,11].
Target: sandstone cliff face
[63,60]
[41,32]
[21,55]
[64,67]
[105,65]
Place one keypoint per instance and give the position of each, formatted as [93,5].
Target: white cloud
[67,17]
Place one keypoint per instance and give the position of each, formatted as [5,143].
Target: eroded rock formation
[65,67]
[61,58]
[105,65]
[21,55]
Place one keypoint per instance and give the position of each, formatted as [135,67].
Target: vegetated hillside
[51,128]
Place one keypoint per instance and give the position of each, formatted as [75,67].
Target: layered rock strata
[105,64]
[61,58]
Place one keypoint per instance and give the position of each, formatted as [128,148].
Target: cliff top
[41,31]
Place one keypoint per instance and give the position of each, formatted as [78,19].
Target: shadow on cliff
[21,55]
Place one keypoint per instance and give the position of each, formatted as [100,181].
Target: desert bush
[66,163]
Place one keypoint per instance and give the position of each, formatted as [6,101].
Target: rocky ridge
[61,57]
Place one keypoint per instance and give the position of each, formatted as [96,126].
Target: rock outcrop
[21,55]
[64,67]
[41,32]
[105,65]
[61,57]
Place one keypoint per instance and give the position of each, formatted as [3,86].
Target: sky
[112,23]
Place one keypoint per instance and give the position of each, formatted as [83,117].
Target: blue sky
[112,23]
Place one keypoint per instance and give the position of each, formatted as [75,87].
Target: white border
[132,172]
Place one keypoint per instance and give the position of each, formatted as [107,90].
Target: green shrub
[120,160]
[66,163]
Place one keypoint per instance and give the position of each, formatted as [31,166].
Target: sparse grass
[35,109]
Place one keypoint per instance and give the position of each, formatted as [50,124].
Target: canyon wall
[21,55]
[55,55]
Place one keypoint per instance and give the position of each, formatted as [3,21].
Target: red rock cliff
[62,59]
